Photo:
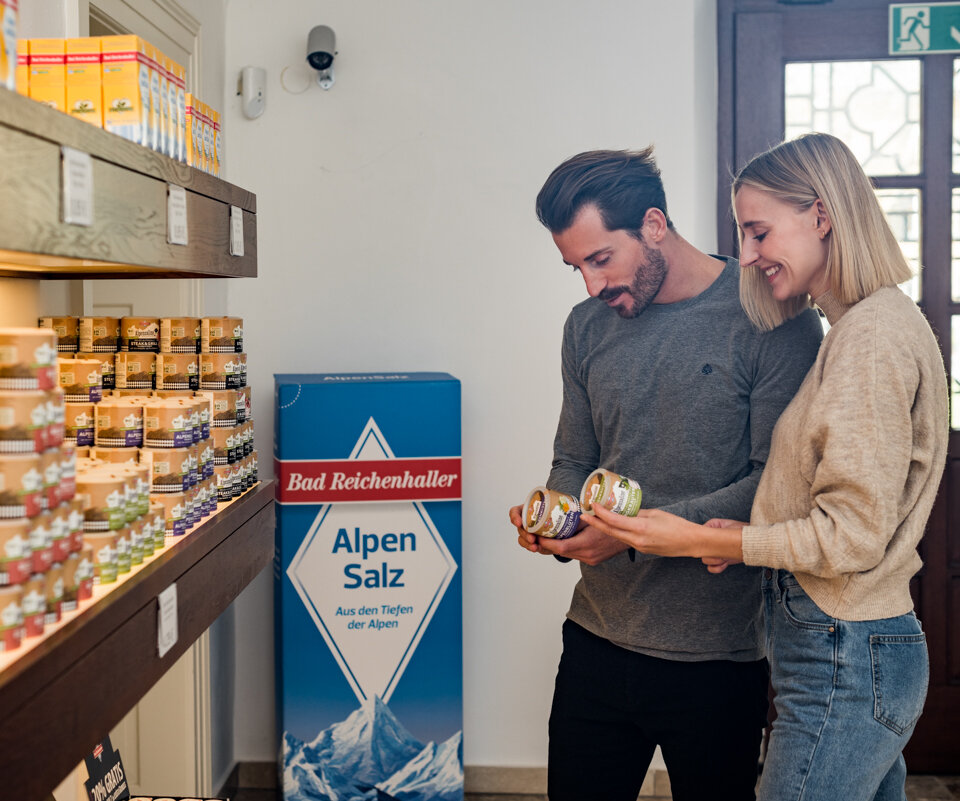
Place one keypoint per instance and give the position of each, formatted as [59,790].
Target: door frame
[756,38]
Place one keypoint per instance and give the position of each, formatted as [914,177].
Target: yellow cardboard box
[126,87]
[180,120]
[156,108]
[48,72]
[208,138]
[217,141]
[190,117]
[84,96]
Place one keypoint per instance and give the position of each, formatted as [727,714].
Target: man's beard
[647,281]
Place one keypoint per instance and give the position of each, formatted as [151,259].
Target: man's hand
[588,545]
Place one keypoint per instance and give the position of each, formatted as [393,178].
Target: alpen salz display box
[368,594]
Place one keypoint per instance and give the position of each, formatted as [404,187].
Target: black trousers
[612,707]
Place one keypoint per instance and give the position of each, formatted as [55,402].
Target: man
[664,381]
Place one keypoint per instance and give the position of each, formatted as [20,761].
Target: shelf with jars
[62,692]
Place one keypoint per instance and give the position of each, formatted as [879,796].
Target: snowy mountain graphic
[370,756]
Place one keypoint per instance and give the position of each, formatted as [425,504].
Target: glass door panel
[873,106]
[902,209]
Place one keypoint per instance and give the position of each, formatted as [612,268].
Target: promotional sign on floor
[368,595]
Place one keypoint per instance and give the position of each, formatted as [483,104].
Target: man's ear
[654,226]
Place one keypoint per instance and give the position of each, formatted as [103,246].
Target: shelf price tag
[236,231]
[77,184]
[167,619]
[176,215]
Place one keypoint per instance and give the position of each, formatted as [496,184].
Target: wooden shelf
[60,698]
[129,235]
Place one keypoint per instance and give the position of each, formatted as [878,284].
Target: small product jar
[80,379]
[140,334]
[99,334]
[67,330]
[28,358]
[179,334]
[15,551]
[11,617]
[548,513]
[611,491]
[21,485]
[23,421]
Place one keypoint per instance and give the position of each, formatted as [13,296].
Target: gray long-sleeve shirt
[683,399]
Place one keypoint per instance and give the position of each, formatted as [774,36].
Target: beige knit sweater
[855,461]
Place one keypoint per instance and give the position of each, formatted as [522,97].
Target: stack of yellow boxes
[120,83]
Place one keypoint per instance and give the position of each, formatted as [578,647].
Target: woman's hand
[651,531]
[657,532]
[716,564]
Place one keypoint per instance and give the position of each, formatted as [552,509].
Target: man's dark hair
[622,184]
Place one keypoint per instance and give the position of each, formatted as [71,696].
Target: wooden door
[801,65]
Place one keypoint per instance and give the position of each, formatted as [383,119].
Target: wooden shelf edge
[26,115]
[67,693]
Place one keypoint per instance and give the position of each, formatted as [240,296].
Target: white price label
[236,231]
[77,186]
[176,215]
[167,619]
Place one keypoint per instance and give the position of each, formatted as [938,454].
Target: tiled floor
[919,788]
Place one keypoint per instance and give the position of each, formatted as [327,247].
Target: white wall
[396,232]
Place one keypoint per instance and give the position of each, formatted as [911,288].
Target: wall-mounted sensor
[321,50]
[252,88]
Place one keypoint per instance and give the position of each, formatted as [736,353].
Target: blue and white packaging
[368,594]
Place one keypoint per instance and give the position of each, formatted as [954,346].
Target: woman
[855,462]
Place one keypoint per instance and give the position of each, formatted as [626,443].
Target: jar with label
[67,330]
[104,551]
[221,335]
[21,485]
[23,421]
[53,594]
[549,513]
[11,617]
[15,551]
[28,358]
[612,491]
[140,334]
[34,605]
[179,334]
[80,379]
[99,334]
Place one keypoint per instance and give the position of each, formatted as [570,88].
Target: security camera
[321,50]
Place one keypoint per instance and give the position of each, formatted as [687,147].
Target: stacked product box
[368,597]
[121,83]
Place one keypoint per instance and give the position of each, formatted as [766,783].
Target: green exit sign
[931,28]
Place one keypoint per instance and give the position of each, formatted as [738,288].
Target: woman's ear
[823,219]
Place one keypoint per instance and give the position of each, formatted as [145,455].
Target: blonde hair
[863,254]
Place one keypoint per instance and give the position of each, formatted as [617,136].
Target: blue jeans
[848,694]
